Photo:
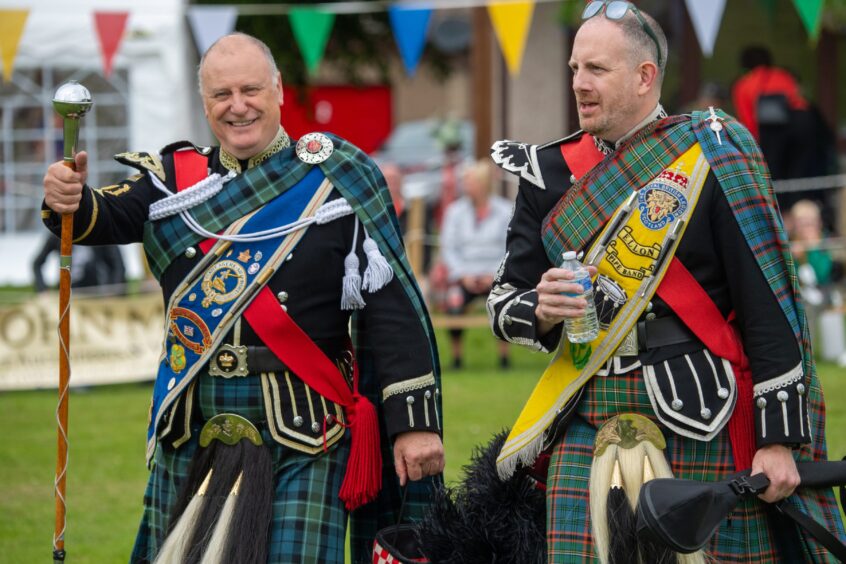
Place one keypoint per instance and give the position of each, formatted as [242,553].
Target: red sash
[686,297]
[276,329]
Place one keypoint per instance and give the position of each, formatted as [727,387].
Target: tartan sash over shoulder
[742,174]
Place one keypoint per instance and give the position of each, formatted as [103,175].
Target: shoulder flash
[145,162]
[521,159]
[518,158]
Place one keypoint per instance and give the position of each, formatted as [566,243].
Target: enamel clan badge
[663,200]
[314,148]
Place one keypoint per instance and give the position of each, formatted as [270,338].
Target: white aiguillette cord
[178,204]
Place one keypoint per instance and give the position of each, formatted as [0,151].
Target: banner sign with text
[112,340]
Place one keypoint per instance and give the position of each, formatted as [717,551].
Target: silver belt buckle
[628,346]
[228,361]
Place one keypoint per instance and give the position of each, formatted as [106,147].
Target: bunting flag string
[706,18]
[410,26]
[511,23]
[109,26]
[210,23]
[311,31]
[810,12]
[12,24]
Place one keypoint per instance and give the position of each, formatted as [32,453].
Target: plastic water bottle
[582,329]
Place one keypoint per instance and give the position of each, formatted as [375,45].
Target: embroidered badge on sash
[183,334]
[177,358]
[218,285]
[662,201]
[608,297]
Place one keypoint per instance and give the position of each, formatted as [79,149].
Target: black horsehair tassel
[622,524]
[650,551]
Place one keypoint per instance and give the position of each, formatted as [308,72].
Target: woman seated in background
[472,246]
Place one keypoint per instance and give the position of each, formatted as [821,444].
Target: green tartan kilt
[745,537]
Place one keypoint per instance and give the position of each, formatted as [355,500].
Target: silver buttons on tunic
[298,421]
[315,427]
[409,400]
[761,402]
[190,252]
[782,396]
[282,297]
[800,389]
[723,393]
[677,404]
[705,413]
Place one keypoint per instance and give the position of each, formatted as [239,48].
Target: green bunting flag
[810,12]
[311,30]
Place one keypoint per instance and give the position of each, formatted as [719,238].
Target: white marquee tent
[150,97]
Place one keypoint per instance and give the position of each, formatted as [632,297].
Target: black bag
[773,109]
[684,514]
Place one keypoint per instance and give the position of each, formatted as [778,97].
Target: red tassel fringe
[741,425]
[363,477]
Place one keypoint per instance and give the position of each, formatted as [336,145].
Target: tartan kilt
[745,537]
[309,521]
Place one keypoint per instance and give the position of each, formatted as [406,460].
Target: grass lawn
[106,474]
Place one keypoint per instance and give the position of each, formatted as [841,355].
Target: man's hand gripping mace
[72,101]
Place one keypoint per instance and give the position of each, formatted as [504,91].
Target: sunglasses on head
[616,10]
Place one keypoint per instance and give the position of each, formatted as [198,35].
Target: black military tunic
[308,285]
[716,253]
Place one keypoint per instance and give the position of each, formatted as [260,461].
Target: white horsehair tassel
[351,295]
[378,272]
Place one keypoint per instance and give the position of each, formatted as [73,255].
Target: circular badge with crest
[314,148]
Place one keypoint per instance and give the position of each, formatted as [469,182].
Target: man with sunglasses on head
[701,329]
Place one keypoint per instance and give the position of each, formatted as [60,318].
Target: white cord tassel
[175,545]
[351,296]
[221,534]
[378,272]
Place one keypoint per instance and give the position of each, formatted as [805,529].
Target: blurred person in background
[92,267]
[793,135]
[472,246]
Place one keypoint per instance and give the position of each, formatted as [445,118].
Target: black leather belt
[649,334]
[662,332]
[241,360]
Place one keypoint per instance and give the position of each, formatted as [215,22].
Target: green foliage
[107,476]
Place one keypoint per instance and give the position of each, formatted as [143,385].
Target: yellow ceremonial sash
[632,252]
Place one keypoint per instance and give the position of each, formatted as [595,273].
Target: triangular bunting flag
[769,7]
[11,28]
[109,26]
[511,22]
[210,23]
[810,12]
[311,30]
[410,26]
[706,18]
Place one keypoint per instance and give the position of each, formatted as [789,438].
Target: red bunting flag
[110,27]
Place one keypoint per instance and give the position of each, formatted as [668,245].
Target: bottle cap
[569,255]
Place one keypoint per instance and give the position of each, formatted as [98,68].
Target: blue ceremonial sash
[221,286]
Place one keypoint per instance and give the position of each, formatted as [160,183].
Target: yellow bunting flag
[511,22]
[11,28]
